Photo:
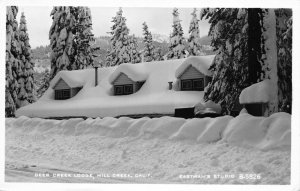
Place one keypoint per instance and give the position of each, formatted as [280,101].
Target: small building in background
[194,74]
[255,98]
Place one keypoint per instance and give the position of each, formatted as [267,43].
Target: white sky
[159,21]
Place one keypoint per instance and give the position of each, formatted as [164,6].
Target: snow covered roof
[72,78]
[154,97]
[256,93]
[201,63]
[135,72]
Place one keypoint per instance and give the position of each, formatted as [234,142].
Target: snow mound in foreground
[245,130]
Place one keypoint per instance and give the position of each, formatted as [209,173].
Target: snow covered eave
[72,78]
[200,63]
[135,72]
[256,93]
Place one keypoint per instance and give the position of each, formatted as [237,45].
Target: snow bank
[261,132]
[154,97]
[201,63]
[135,72]
[245,130]
[256,93]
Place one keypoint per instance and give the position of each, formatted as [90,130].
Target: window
[192,85]
[62,94]
[128,89]
[186,84]
[124,89]
[118,90]
[198,84]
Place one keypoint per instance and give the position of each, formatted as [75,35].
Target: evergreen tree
[158,56]
[61,38]
[250,48]
[70,39]
[26,89]
[119,41]
[284,53]
[229,33]
[135,56]
[176,46]
[12,61]
[82,54]
[194,46]
[148,51]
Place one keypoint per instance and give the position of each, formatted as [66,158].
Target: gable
[191,73]
[61,84]
[122,79]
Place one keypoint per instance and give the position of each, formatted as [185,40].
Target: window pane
[186,84]
[118,90]
[128,89]
[198,84]
[66,94]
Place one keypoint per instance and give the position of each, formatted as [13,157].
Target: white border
[295,164]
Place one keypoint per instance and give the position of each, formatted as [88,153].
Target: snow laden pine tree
[26,92]
[229,34]
[148,51]
[119,41]
[135,56]
[284,53]
[193,42]
[82,50]
[70,39]
[61,38]
[250,49]
[177,41]
[11,61]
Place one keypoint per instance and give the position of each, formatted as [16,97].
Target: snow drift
[167,148]
[244,130]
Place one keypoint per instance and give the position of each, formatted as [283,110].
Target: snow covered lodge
[150,88]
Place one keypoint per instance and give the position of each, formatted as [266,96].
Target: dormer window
[192,84]
[63,91]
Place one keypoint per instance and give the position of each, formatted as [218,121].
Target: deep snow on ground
[158,150]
